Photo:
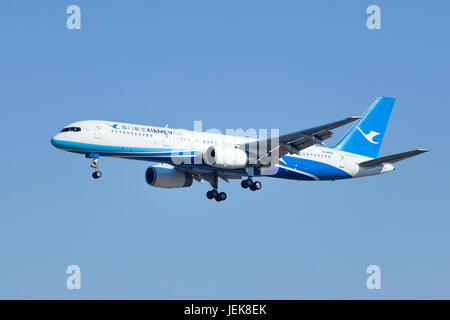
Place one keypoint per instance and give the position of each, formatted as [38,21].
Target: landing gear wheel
[96,174]
[247,183]
[221,196]
[212,194]
[255,186]
[252,185]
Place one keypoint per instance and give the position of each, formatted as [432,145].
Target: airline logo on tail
[369,136]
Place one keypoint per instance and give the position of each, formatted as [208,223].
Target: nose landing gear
[94,164]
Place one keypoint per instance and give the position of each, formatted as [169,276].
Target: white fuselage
[159,144]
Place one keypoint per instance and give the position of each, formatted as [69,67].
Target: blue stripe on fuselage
[104,150]
[321,170]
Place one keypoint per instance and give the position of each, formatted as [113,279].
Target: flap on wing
[207,174]
[392,158]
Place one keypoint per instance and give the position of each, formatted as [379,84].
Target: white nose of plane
[59,140]
[67,136]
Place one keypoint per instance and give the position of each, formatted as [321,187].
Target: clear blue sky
[233,64]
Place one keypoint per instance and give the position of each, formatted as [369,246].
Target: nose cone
[57,141]
[54,142]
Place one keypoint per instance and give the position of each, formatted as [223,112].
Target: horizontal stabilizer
[392,158]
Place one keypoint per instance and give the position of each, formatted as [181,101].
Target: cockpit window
[75,129]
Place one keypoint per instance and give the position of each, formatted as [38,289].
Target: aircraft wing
[392,158]
[294,142]
[289,143]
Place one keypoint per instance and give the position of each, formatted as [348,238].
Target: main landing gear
[252,185]
[214,194]
[220,196]
[94,164]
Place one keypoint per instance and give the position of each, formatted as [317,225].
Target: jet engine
[166,176]
[226,157]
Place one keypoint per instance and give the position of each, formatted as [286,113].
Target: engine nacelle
[165,176]
[226,157]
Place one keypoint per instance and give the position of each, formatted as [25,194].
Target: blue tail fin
[366,135]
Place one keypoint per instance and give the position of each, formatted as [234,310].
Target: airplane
[183,155]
